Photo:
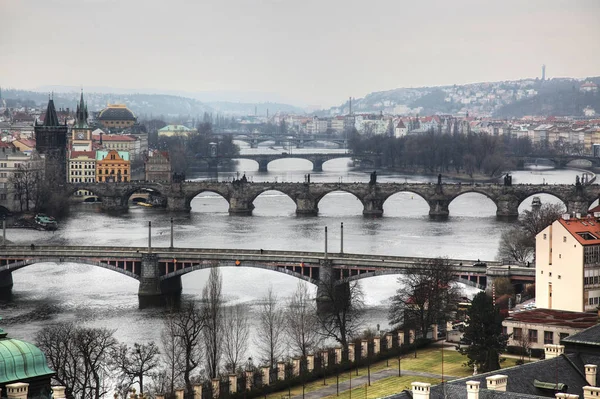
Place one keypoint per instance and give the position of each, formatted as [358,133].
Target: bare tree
[136,362]
[523,342]
[302,323]
[515,246]
[341,309]
[212,299]
[425,296]
[173,359]
[187,325]
[236,331]
[535,220]
[269,334]
[80,356]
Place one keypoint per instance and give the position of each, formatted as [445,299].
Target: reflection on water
[46,293]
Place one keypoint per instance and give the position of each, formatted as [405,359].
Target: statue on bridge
[577,181]
[508,180]
[373,178]
[440,179]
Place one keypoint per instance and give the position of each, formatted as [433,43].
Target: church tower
[51,142]
[81,133]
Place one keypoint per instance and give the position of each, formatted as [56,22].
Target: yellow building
[175,130]
[117,116]
[112,166]
[567,264]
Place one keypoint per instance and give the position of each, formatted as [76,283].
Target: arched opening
[249,165]
[245,284]
[337,165]
[542,198]
[147,197]
[405,204]
[4,211]
[85,196]
[273,203]
[340,203]
[285,164]
[209,202]
[472,204]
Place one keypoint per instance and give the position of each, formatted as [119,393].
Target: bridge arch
[84,261]
[231,263]
[310,164]
[420,202]
[525,201]
[195,194]
[286,201]
[319,199]
[475,192]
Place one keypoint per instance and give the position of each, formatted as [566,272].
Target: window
[563,336]
[544,236]
[564,238]
[550,274]
[517,333]
[533,336]
[548,337]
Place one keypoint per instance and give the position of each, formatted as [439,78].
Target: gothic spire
[82,113]
[51,118]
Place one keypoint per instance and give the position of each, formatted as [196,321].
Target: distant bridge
[263,160]
[306,196]
[298,140]
[159,270]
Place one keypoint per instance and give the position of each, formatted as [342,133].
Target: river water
[47,293]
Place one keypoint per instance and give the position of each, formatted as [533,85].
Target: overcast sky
[308,52]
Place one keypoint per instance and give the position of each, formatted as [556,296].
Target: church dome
[20,360]
[116,112]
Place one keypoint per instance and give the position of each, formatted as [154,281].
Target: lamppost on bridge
[149,237]
[3,229]
[342,237]
[214,154]
[325,242]
[171,234]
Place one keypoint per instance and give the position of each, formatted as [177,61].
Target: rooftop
[586,230]
[555,317]
[116,112]
[113,137]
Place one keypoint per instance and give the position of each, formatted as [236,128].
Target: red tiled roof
[89,154]
[113,137]
[587,224]
[28,142]
[556,317]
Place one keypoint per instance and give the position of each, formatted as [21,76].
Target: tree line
[452,152]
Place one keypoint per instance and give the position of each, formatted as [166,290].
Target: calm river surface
[48,293]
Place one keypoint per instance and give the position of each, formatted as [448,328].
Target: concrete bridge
[299,140]
[263,160]
[306,196]
[159,270]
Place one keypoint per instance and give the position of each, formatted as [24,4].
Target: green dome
[21,361]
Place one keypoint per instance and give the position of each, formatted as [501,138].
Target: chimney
[59,392]
[591,392]
[472,389]
[562,395]
[179,393]
[18,390]
[421,390]
[590,374]
[197,391]
[497,382]
[551,351]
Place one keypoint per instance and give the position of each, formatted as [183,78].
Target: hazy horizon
[307,53]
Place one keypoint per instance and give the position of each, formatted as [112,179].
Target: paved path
[331,388]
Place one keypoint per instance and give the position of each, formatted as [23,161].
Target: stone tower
[51,142]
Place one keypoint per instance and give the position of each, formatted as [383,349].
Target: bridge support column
[153,291]
[6,284]
[439,207]
[373,207]
[317,165]
[578,205]
[507,206]
[300,144]
[306,206]
[254,143]
[263,165]
[117,204]
[178,204]
[240,206]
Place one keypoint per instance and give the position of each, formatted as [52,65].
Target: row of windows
[82,173]
[593,301]
[78,165]
[591,254]
[82,180]
[105,179]
[112,171]
[533,335]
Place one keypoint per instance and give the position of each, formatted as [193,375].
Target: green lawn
[428,360]
[383,387]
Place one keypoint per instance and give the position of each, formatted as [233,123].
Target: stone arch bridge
[306,196]
[299,141]
[263,160]
[159,270]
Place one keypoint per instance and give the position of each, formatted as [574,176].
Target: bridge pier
[178,204]
[263,165]
[254,143]
[507,206]
[578,205]
[153,291]
[240,206]
[118,204]
[306,206]
[6,284]
[439,207]
[317,165]
[373,207]
[300,144]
